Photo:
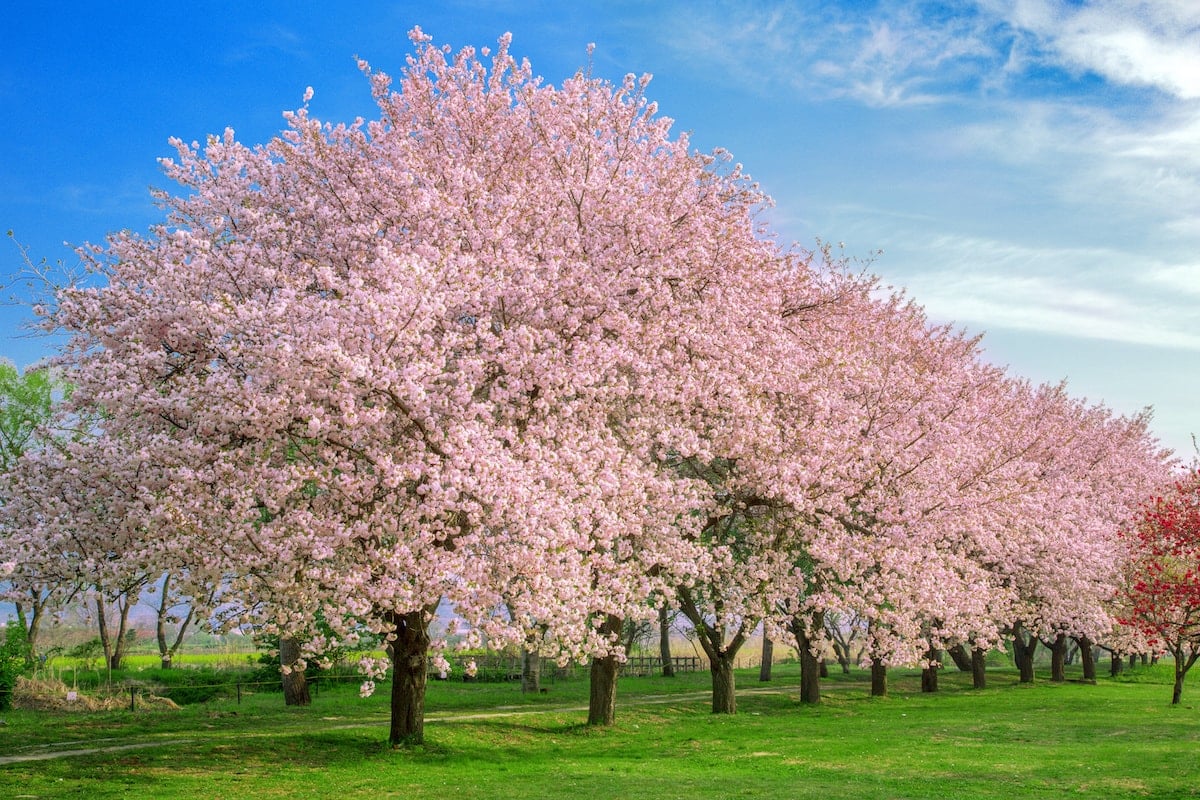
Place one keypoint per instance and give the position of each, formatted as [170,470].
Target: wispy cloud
[1090,293]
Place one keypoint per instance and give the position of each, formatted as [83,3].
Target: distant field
[1120,738]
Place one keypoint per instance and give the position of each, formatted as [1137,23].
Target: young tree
[1162,593]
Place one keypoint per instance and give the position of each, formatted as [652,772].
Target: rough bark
[410,653]
[1023,652]
[720,653]
[531,672]
[1058,658]
[810,666]
[1087,659]
[978,668]
[295,683]
[664,643]
[929,675]
[879,687]
[960,657]
[724,695]
[602,696]
[602,699]
[768,659]
[167,648]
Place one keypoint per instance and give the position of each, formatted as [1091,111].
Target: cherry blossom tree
[453,352]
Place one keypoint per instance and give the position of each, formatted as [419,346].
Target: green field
[1120,738]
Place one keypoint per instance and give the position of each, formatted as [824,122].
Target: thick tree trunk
[664,643]
[929,675]
[1087,659]
[768,659]
[1058,659]
[410,671]
[1023,652]
[1116,666]
[295,683]
[531,672]
[724,697]
[602,699]
[879,687]
[978,668]
[810,666]
[960,657]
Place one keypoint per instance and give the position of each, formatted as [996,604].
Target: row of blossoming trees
[513,346]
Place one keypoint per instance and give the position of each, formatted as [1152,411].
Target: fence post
[132,699]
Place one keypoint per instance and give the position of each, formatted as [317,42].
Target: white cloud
[1150,43]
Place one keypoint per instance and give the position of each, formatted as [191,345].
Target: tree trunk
[1087,660]
[664,643]
[102,626]
[961,658]
[602,699]
[531,672]
[32,625]
[1058,659]
[167,648]
[842,653]
[295,683]
[410,671]
[879,686]
[1116,666]
[768,659]
[929,675]
[724,698]
[1023,652]
[978,668]
[810,667]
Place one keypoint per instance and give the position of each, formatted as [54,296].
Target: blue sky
[1029,168]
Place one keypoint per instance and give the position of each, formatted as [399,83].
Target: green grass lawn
[1120,738]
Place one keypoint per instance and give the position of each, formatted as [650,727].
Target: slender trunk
[1116,667]
[531,672]
[602,699]
[978,668]
[724,698]
[879,687]
[1058,659]
[810,667]
[664,643]
[410,654]
[768,659]
[842,653]
[102,625]
[961,658]
[295,682]
[1086,659]
[929,675]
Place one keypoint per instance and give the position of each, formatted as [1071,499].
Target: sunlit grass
[1118,737]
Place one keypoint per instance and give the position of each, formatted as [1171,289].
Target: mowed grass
[1117,738]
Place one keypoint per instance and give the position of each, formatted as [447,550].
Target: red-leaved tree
[1162,596]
